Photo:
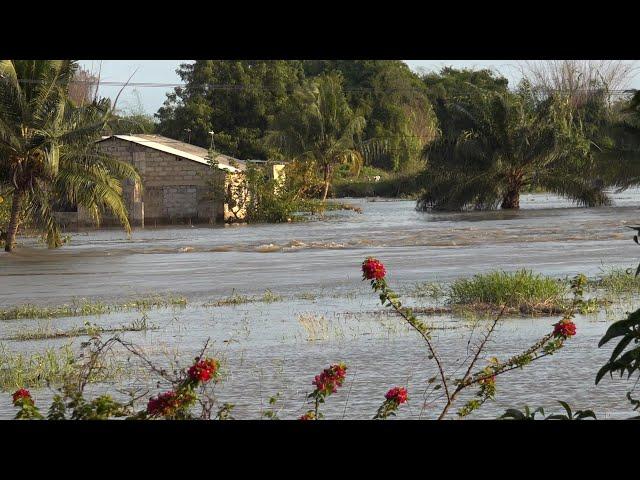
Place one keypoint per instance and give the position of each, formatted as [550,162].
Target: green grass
[237,299]
[521,289]
[84,307]
[617,282]
[52,366]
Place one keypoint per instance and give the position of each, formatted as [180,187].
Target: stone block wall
[174,189]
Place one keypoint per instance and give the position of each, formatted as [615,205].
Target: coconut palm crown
[493,145]
[48,153]
[318,126]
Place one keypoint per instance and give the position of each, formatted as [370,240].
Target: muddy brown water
[265,346]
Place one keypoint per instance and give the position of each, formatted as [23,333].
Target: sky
[150,98]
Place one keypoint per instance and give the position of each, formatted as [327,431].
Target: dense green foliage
[318,127]
[619,159]
[394,102]
[483,142]
[47,149]
[240,100]
[390,185]
[496,143]
[451,84]
[236,100]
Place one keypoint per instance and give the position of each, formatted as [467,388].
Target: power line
[231,87]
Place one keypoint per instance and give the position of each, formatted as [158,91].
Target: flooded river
[268,347]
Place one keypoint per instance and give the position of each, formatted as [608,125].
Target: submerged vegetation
[84,307]
[522,289]
[237,299]
[617,282]
[53,366]
[46,331]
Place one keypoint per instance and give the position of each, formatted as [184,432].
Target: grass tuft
[521,289]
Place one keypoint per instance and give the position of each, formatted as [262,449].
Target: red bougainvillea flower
[308,416]
[397,395]
[564,329]
[21,394]
[203,370]
[373,269]
[162,404]
[330,379]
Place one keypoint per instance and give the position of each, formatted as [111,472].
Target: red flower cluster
[373,269]
[203,370]
[21,394]
[330,379]
[564,329]
[163,403]
[397,395]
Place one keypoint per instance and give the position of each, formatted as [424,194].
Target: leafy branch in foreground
[187,389]
[527,414]
[483,378]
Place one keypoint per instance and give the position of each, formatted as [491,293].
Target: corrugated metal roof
[181,149]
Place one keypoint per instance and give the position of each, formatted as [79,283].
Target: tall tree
[451,83]
[619,159]
[393,100]
[317,126]
[496,143]
[234,99]
[47,149]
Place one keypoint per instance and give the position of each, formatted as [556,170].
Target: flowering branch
[393,399]
[326,384]
[374,270]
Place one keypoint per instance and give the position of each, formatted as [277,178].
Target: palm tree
[619,164]
[48,152]
[495,144]
[318,126]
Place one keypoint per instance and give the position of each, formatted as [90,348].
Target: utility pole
[188,130]
[213,145]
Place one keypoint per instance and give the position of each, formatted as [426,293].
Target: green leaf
[566,406]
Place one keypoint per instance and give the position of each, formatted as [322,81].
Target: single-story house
[176,182]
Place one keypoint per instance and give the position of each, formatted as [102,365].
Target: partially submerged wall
[173,190]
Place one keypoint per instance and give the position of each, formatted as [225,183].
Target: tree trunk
[326,191]
[327,176]
[14,220]
[511,200]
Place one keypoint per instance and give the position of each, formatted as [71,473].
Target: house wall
[174,189]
